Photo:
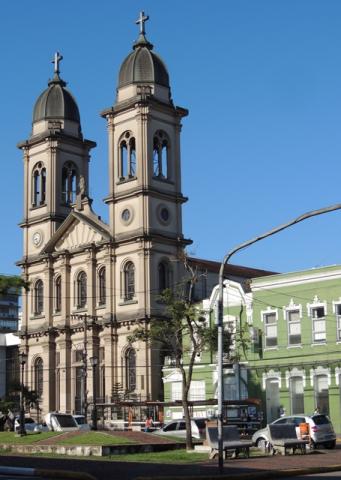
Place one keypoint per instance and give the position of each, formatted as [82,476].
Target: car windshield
[80,420]
[200,423]
[65,421]
[320,419]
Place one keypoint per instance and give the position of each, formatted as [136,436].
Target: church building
[93,282]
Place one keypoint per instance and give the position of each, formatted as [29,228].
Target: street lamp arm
[273,231]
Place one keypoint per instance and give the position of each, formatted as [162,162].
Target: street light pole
[225,261]
[22,361]
[94,362]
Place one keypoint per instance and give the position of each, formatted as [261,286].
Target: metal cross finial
[57,59]
[141,20]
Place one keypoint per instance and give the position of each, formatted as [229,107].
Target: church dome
[142,65]
[56,102]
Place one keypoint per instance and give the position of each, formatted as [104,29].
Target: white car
[61,422]
[81,422]
[321,430]
[177,428]
[30,425]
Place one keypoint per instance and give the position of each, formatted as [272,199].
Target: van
[61,422]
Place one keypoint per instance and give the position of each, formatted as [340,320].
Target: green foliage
[31,398]
[11,282]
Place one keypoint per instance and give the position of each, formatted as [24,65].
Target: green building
[292,322]
[295,359]
[205,378]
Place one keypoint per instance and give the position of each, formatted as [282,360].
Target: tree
[182,335]
[8,282]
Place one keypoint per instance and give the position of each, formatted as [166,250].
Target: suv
[320,429]
[177,428]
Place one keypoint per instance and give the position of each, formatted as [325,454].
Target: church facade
[93,282]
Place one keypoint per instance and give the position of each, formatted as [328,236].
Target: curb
[292,472]
[45,473]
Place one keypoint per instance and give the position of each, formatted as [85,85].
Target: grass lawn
[170,456]
[94,438]
[11,438]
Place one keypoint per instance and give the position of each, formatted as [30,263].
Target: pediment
[78,230]
[78,234]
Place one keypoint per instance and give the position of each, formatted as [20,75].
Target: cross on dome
[56,60]
[141,20]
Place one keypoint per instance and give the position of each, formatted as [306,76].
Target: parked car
[320,428]
[81,422]
[30,425]
[61,422]
[177,428]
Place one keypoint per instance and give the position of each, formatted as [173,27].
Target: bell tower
[145,199]
[56,159]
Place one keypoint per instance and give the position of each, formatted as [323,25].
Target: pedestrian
[148,424]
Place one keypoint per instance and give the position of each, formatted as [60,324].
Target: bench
[231,441]
[283,437]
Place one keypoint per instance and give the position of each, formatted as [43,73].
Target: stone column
[65,367]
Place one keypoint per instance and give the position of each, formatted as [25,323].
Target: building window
[39,376]
[58,293]
[101,286]
[129,281]
[296,395]
[69,183]
[197,390]
[294,327]
[321,393]
[230,387]
[160,155]
[38,297]
[163,271]
[39,185]
[130,370]
[270,326]
[127,154]
[318,324]
[176,391]
[338,321]
[81,290]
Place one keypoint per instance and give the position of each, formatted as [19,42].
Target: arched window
[38,297]
[160,154]
[127,152]
[38,185]
[69,183]
[130,361]
[129,281]
[81,290]
[39,376]
[321,391]
[58,294]
[163,271]
[101,287]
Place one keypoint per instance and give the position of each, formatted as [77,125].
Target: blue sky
[262,142]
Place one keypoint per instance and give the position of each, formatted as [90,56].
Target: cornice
[145,191]
[143,101]
[53,135]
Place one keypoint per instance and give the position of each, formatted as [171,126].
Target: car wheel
[262,444]
[330,445]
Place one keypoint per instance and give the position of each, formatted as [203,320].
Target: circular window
[164,214]
[126,215]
